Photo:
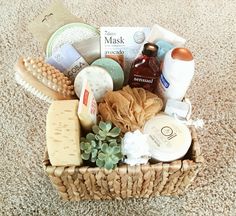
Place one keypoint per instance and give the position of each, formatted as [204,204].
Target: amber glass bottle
[145,70]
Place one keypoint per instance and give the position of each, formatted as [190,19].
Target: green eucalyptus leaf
[102,133]
[85,156]
[90,137]
[101,156]
[114,132]
[95,129]
[108,164]
[87,151]
[93,144]
[83,139]
[104,147]
[113,144]
[100,163]
[99,138]
[108,126]
[94,153]
[102,125]
[86,146]
[82,146]
[115,159]
[116,149]
[119,155]
[93,160]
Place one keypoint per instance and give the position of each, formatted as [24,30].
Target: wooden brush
[43,80]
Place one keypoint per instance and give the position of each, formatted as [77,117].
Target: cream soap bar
[63,133]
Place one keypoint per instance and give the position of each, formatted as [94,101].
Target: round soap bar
[98,79]
[114,69]
[168,139]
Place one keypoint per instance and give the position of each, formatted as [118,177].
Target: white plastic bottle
[177,73]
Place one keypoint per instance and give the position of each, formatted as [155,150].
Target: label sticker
[164,81]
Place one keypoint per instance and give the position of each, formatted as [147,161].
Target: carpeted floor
[209,26]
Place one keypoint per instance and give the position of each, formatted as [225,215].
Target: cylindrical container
[177,73]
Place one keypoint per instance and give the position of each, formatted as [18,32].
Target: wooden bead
[44,69]
[40,64]
[40,58]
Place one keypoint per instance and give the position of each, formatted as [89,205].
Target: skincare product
[169,139]
[159,33]
[89,49]
[70,33]
[164,39]
[114,69]
[122,44]
[98,79]
[163,48]
[67,60]
[145,69]
[87,110]
[177,73]
[54,17]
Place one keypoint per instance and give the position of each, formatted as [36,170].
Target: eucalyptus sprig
[102,146]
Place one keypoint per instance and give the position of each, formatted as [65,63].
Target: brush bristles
[49,76]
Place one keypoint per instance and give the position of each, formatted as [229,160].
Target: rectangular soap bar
[63,133]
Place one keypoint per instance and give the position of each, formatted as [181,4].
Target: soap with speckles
[114,69]
[63,133]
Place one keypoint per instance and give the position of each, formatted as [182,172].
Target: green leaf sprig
[103,146]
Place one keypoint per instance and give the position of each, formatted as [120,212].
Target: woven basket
[88,183]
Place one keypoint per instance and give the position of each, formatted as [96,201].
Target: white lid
[168,139]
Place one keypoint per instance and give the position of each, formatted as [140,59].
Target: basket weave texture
[89,183]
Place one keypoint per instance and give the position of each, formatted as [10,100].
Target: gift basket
[118,125]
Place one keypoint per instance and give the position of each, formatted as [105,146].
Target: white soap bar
[175,107]
[168,138]
[98,79]
[63,133]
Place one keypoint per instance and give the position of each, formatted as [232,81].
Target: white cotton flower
[136,148]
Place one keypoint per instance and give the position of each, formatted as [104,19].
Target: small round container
[169,139]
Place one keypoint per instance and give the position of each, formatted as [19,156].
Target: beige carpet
[209,26]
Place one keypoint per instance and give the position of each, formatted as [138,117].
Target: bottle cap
[150,49]
[182,54]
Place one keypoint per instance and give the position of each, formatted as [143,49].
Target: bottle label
[164,82]
[143,80]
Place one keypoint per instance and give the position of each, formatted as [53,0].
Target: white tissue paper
[136,148]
